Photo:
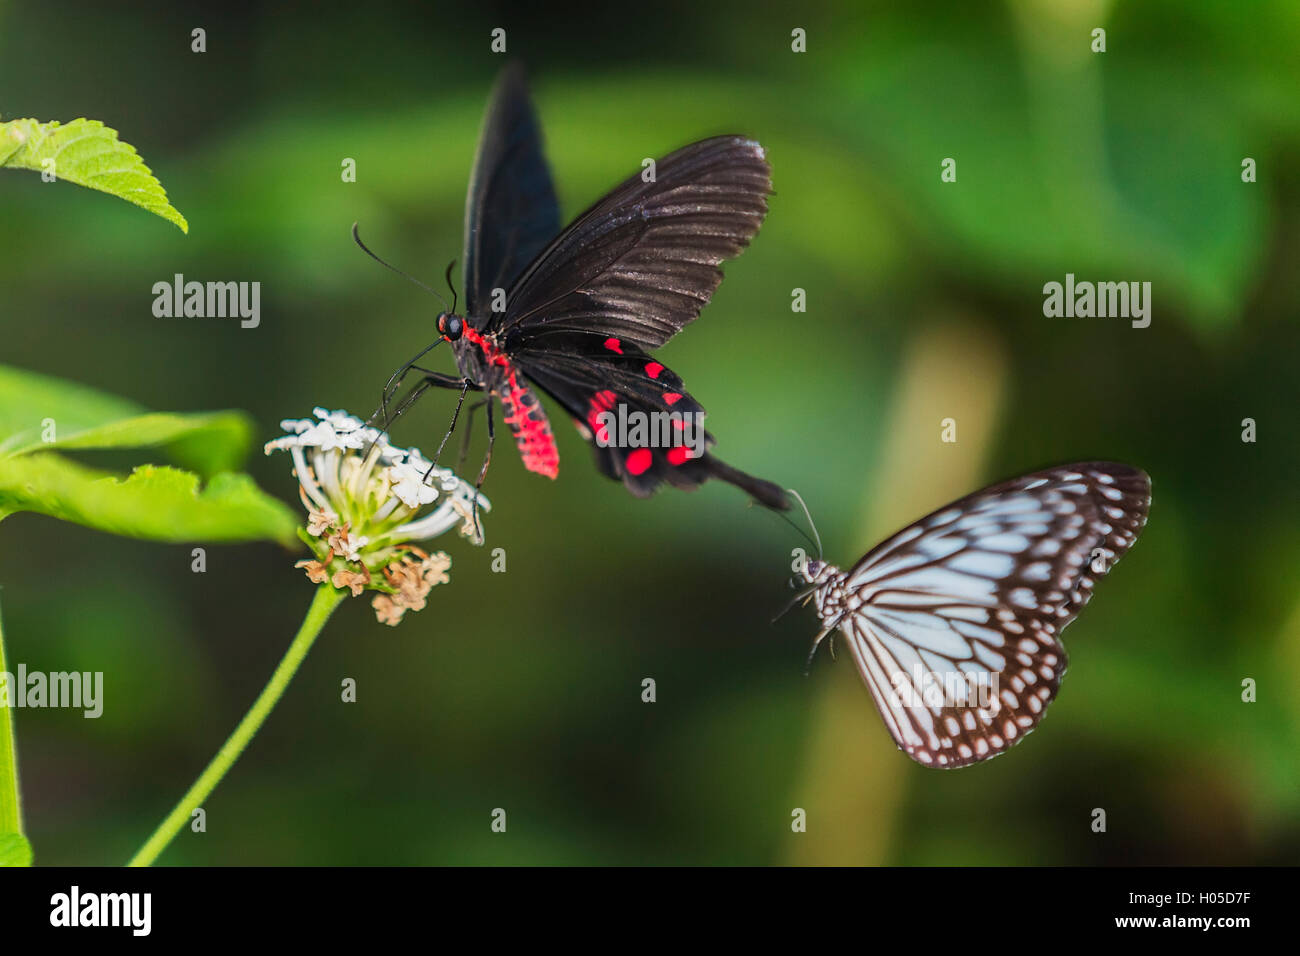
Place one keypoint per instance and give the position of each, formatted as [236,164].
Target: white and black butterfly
[955,621]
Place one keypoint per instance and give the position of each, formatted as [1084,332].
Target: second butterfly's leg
[821,636]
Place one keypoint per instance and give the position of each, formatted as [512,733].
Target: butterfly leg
[395,382]
[431,378]
[407,401]
[826,631]
[465,387]
[390,389]
[803,597]
[492,437]
[468,433]
[487,460]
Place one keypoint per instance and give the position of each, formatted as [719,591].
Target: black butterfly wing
[641,263]
[510,211]
[588,375]
[981,590]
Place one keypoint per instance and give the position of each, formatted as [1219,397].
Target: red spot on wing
[602,401]
[639,461]
[678,454]
[614,345]
[672,398]
[653,369]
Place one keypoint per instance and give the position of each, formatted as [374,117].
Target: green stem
[326,600]
[11,810]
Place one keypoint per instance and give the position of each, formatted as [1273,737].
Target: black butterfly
[577,312]
[955,622]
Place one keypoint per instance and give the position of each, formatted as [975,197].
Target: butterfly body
[576,312]
[954,622]
[484,362]
[830,598]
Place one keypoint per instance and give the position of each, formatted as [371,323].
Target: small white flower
[409,486]
[326,438]
[368,502]
[296,425]
[340,419]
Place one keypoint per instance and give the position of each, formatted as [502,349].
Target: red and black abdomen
[528,423]
[524,415]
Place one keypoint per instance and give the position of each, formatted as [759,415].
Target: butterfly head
[826,585]
[816,571]
[450,326]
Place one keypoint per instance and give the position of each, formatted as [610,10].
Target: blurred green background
[522,690]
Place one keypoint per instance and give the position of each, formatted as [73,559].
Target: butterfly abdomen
[524,414]
[527,421]
[765,492]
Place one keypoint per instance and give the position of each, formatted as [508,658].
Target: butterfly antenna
[786,518]
[451,265]
[356,236]
[806,514]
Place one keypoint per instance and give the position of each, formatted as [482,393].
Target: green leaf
[88,153]
[35,407]
[156,503]
[15,850]
[189,436]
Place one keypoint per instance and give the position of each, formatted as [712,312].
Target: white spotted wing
[955,622]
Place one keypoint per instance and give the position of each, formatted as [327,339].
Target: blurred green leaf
[12,843]
[15,850]
[1066,166]
[224,435]
[158,503]
[88,153]
[207,442]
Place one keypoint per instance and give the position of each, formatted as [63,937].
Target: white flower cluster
[367,502]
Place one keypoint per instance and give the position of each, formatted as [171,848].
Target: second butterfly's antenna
[356,235]
[786,518]
[806,514]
